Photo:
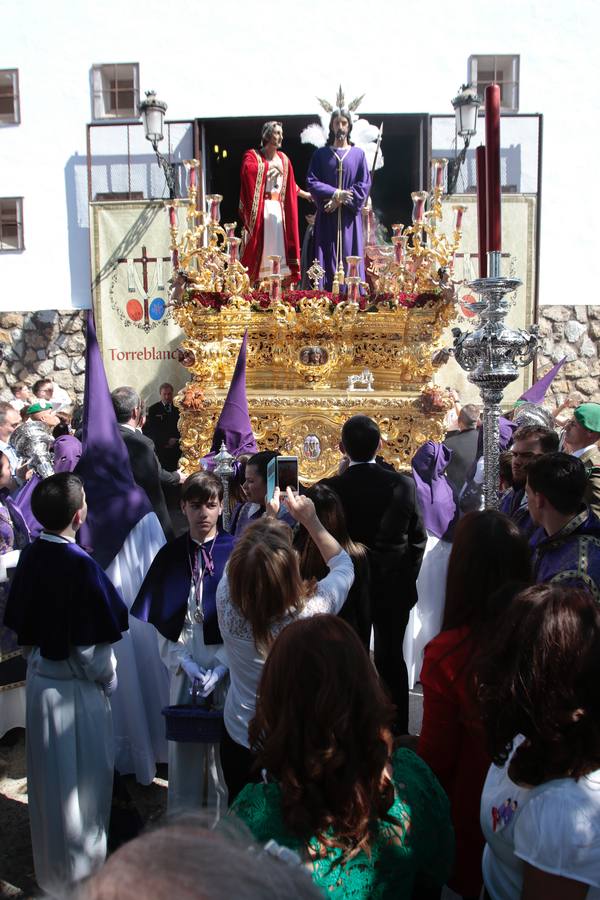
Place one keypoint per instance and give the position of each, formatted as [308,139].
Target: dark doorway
[405,149]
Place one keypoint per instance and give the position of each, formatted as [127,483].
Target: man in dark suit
[382,513]
[463,444]
[161,426]
[147,471]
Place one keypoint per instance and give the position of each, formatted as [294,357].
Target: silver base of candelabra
[492,355]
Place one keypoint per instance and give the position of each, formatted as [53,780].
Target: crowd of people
[284,649]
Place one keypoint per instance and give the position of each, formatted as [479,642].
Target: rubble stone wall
[574,332]
[44,344]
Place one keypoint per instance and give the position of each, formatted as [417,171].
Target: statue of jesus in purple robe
[339,181]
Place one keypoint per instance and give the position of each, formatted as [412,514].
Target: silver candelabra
[32,442]
[492,355]
[224,469]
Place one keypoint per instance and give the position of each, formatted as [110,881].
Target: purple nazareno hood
[115,502]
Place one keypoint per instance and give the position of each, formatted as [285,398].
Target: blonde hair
[264,577]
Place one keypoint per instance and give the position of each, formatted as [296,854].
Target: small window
[11,223]
[116,93]
[120,195]
[10,113]
[502,70]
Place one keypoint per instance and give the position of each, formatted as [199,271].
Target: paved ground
[16,863]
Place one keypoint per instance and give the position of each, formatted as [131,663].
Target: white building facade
[232,59]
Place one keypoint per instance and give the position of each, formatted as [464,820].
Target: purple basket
[193,723]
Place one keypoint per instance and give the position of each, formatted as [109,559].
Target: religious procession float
[317,356]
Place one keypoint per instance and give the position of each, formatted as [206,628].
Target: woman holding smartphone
[261,592]
[255,491]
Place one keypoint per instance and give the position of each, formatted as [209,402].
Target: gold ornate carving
[285,421]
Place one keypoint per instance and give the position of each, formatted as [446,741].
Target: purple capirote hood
[115,502]
[434,492]
[67,453]
[233,425]
[537,392]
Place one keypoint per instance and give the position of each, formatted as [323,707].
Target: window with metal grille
[493,69]
[115,89]
[11,223]
[10,112]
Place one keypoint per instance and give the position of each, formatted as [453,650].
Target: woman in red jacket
[489,560]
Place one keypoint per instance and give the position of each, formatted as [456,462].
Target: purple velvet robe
[322,182]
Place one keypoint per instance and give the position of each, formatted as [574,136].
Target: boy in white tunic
[178,597]
[66,614]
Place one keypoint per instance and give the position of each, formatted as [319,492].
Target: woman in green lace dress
[366,820]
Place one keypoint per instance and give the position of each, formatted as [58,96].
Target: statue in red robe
[269,208]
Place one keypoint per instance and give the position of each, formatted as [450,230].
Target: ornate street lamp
[153,114]
[466,105]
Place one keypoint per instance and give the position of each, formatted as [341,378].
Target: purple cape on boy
[163,597]
[322,181]
[60,598]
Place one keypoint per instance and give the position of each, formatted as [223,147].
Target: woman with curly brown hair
[540,702]
[367,821]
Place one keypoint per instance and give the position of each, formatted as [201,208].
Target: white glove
[211,679]
[193,671]
[110,687]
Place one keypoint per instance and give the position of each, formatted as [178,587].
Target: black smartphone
[287,473]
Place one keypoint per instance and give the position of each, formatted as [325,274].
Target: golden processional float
[315,357]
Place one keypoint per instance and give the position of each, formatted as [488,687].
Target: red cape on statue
[252,199]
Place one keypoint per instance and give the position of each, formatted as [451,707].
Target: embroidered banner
[131,268]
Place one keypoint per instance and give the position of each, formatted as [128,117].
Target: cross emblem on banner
[144,313]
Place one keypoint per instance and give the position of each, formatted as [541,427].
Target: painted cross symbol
[144,259]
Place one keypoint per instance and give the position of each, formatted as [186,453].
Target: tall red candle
[492,166]
[481,211]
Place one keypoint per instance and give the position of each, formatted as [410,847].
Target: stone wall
[574,332]
[45,344]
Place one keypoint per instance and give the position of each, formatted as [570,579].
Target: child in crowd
[22,396]
[178,597]
[66,614]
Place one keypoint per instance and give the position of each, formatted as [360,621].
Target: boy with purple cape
[66,614]
[178,597]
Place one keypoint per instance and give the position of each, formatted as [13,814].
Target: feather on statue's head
[364,135]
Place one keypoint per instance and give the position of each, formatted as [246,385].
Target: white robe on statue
[139,726]
[70,759]
[273,230]
[426,617]
[188,762]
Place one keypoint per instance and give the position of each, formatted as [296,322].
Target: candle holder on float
[205,256]
[422,258]
[492,356]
